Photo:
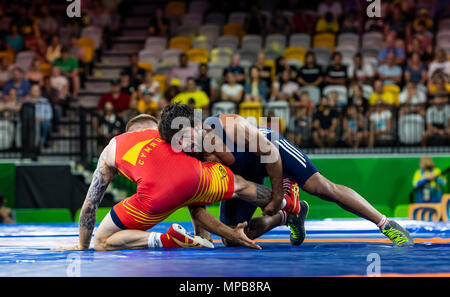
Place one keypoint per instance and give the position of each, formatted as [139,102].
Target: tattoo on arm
[100,181]
[263,194]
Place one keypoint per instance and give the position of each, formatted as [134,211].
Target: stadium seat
[323,55]
[199,55]
[251,110]
[24,59]
[247,56]
[281,109]
[89,49]
[271,54]
[324,40]
[314,93]
[394,89]
[351,39]
[198,7]
[223,107]
[203,42]
[410,129]
[341,90]
[233,30]
[163,82]
[156,42]
[272,66]
[175,8]
[294,62]
[147,66]
[46,69]
[300,40]
[252,42]
[372,39]
[171,57]
[230,42]
[237,17]
[217,18]
[149,57]
[94,33]
[215,71]
[211,31]
[295,53]
[8,55]
[180,42]
[221,56]
[192,19]
[276,42]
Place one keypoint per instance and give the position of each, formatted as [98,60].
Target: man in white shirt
[412,100]
[439,63]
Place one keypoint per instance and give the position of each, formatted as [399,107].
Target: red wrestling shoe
[177,237]
[291,195]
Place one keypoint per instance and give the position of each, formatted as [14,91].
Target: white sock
[283,205]
[283,217]
[154,240]
[384,220]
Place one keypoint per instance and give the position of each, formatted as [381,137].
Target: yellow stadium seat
[271,64]
[177,8]
[325,40]
[89,49]
[295,53]
[199,55]
[251,109]
[162,79]
[8,55]
[180,42]
[234,30]
[145,66]
[46,69]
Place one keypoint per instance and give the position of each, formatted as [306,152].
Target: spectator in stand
[172,90]
[159,25]
[10,102]
[35,42]
[231,90]
[390,73]
[354,130]
[14,41]
[255,23]
[264,71]
[279,23]
[423,18]
[302,22]
[422,42]
[327,24]
[136,74]
[412,100]
[431,181]
[110,125]
[361,72]
[284,89]
[199,98]
[331,6]
[311,73]
[438,121]
[125,84]
[75,50]
[120,101]
[391,46]
[146,104]
[53,50]
[300,127]
[47,24]
[351,23]
[325,124]
[43,112]
[150,87]
[205,83]
[34,74]
[17,82]
[415,70]
[236,68]
[439,83]
[380,123]
[5,71]
[255,89]
[183,71]
[60,83]
[358,100]
[336,73]
[379,93]
[397,22]
[7,215]
[440,62]
[131,112]
[305,102]
[69,68]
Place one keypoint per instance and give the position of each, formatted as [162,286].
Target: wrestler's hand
[242,239]
[68,248]
[273,207]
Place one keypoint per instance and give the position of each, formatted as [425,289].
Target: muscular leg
[345,197]
[109,237]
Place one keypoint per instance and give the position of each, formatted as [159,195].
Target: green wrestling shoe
[297,224]
[399,235]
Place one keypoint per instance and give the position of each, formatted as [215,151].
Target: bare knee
[101,244]
[320,186]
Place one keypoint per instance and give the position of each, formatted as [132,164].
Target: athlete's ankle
[284,216]
[155,240]
[383,222]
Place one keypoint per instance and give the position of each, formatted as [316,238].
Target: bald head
[141,122]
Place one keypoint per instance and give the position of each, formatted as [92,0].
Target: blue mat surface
[25,251]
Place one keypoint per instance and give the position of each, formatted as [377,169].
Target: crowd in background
[411,74]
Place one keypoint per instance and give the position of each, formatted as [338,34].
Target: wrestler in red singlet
[166,180]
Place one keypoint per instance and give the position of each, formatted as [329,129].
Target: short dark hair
[170,113]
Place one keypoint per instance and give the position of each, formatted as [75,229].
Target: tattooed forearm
[263,194]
